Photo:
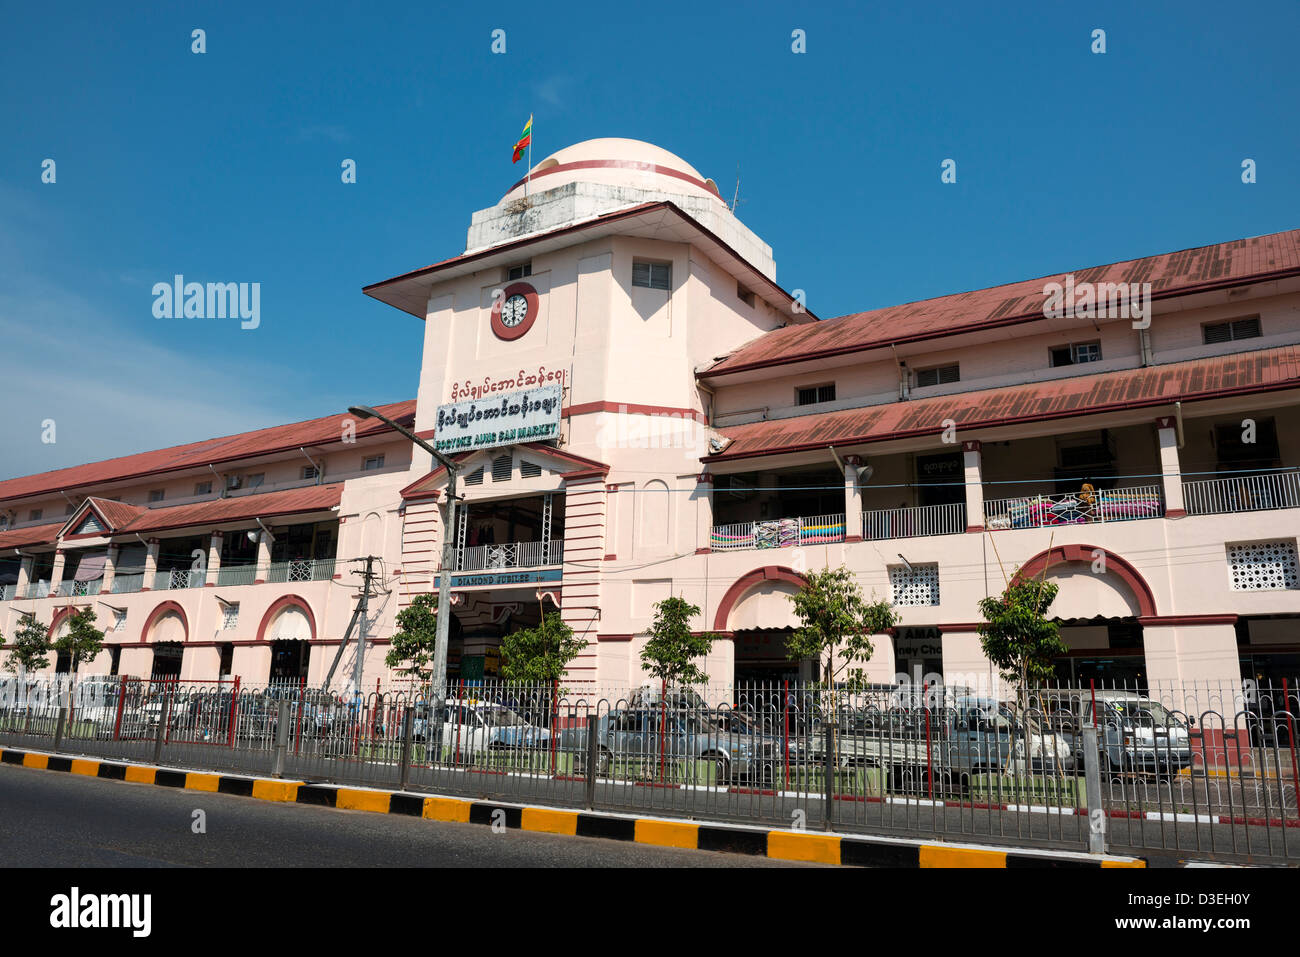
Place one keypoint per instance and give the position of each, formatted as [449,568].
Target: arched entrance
[289,626]
[1101,599]
[757,612]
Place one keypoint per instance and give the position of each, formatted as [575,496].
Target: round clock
[514,311]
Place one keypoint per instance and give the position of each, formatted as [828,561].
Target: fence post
[1092,784]
[281,738]
[58,729]
[828,763]
[164,715]
[408,735]
[593,731]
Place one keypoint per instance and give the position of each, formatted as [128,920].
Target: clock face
[513,311]
[516,313]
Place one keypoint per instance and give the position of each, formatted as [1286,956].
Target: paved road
[50,819]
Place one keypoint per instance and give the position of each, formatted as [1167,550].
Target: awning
[90,567]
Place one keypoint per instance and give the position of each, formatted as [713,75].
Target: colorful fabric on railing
[732,539]
[821,532]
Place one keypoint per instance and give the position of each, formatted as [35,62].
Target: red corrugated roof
[31,535]
[116,514]
[230,448]
[1245,372]
[312,498]
[1169,274]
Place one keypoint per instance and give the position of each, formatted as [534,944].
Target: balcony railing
[166,579]
[914,522]
[779,532]
[301,570]
[1072,508]
[124,582]
[1243,493]
[510,555]
[7,592]
[236,575]
[76,589]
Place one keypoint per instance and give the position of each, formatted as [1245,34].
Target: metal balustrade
[914,522]
[124,582]
[300,570]
[779,532]
[510,555]
[167,579]
[1243,493]
[7,592]
[76,589]
[1073,508]
[236,575]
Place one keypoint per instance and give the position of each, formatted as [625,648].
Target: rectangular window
[234,482]
[114,658]
[940,375]
[255,480]
[475,477]
[1231,331]
[227,658]
[520,271]
[1075,353]
[157,495]
[119,618]
[372,463]
[309,471]
[35,515]
[813,394]
[502,468]
[529,469]
[230,616]
[652,275]
[203,488]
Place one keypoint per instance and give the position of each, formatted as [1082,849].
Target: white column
[56,574]
[973,458]
[1171,470]
[25,563]
[110,569]
[703,512]
[852,499]
[150,564]
[214,560]
[263,558]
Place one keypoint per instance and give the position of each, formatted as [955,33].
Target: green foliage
[83,640]
[837,623]
[1016,634]
[30,646]
[671,652]
[540,653]
[412,646]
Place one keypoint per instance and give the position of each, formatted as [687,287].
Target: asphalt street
[62,820]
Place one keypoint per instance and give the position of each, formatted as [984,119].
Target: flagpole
[529,174]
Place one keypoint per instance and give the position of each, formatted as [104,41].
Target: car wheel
[603,761]
[722,768]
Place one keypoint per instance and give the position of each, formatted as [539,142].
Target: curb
[812,847]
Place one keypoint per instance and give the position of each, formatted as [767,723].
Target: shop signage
[498,579]
[532,415]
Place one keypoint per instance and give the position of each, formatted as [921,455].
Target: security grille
[920,586]
[1263,566]
[230,617]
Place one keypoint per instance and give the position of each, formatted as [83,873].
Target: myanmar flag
[524,140]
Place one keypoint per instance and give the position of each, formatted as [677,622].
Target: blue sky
[225,167]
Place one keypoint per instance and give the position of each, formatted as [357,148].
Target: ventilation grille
[920,586]
[502,467]
[1263,566]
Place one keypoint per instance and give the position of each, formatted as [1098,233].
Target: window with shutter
[475,477]
[529,469]
[1217,332]
[940,375]
[502,467]
[652,275]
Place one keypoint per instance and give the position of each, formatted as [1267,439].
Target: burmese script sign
[532,415]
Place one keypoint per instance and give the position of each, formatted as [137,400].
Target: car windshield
[1143,713]
[500,718]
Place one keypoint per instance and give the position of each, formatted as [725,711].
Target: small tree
[415,642]
[671,652]
[30,646]
[83,640]
[837,620]
[541,653]
[1017,636]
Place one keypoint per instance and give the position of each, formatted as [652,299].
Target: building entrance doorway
[289,660]
[761,658]
[167,657]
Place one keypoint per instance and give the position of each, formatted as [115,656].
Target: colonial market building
[638,408]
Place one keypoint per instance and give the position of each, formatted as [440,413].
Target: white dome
[618,162]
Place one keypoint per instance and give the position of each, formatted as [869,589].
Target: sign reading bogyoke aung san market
[530,415]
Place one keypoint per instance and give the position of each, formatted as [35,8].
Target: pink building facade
[712,438]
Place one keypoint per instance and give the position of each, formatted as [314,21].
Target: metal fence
[1243,493]
[1075,508]
[914,522]
[1200,770]
[779,532]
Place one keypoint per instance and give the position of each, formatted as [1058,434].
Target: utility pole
[363,620]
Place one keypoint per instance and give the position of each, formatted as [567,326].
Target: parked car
[1134,733]
[730,740]
[1269,723]
[473,727]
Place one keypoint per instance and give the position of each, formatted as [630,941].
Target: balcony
[78,589]
[300,570]
[168,579]
[779,533]
[1243,493]
[510,555]
[1071,508]
[915,522]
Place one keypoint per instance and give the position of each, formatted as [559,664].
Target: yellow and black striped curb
[729,838]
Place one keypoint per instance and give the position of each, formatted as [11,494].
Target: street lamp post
[448,560]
